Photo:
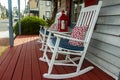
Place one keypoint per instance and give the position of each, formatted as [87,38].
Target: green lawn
[2,49]
[4,42]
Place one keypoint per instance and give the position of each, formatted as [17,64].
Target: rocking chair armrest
[52,31]
[61,33]
[57,32]
[67,37]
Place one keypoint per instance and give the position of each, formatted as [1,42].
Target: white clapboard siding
[110,2]
[113,50]
[104,48]
[108,29]
[111,20]
[111,10]
[105,66]
[110,39]
[104,55]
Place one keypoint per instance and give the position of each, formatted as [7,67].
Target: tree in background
[6,13]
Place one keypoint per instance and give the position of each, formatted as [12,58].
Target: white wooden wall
[104,49]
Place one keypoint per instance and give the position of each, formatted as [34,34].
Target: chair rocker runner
[76,44]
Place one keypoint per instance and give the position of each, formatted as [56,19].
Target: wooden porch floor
[21,62]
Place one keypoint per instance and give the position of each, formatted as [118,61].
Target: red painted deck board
[11,66]
[5,64]
[21,62]
[4,56]
[35,64]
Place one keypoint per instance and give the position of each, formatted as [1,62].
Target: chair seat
[64,44]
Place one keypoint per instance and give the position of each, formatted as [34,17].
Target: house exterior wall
[33,4]
[104,49]
[62,6]
[44,9]
[33,8]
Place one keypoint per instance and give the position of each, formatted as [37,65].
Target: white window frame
[47,3]
[47,14]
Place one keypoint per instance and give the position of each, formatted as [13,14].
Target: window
[59,3]
[47,14]
[76,10]
[47,3]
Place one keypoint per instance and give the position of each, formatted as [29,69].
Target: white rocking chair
[43,32]
[60,44]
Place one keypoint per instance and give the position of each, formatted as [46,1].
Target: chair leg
[43,39]
[43,57]
[53,56]
[45,51]
[52,63]
[39,40]
[43,44]
[67,56]
[80,62]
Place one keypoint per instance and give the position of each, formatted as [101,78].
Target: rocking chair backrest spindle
[88,17]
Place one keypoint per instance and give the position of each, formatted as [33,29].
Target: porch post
[19,23]
[11,39]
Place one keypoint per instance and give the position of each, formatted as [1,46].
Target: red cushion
[54,27]
[78,33]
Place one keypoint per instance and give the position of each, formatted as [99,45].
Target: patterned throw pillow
[78,32]
[54,27]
